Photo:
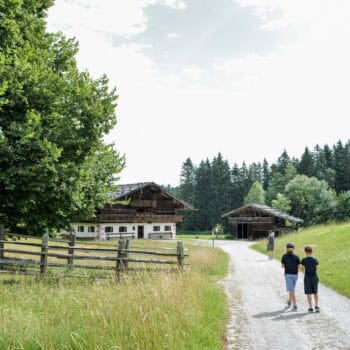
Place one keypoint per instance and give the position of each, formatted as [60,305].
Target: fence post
[2,236]
[180,254]
[120,254]
[71,245]
[43,256]
[126,253]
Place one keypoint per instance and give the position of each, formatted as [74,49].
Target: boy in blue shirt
[311,279]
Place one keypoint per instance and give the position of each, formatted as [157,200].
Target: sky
[246,78]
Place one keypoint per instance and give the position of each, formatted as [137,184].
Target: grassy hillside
[147,311]
[331,246]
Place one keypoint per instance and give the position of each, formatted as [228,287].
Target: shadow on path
[290,316]
[281,315]
[270,314]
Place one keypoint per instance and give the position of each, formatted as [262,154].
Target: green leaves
[311,199]
[256,194]
[54,165]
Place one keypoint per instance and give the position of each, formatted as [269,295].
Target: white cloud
[119,17]
[172,36]
[248,107]
[193,73]
[177,4]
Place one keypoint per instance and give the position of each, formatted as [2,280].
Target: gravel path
[259,318]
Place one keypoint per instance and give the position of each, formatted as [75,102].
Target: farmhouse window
[109,229]
[91,229]
[167,228]
[156,228]
[80,228]
[123,229]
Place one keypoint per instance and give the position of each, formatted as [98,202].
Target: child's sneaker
[311,309]
[295,308]
[289,303]
[317,309]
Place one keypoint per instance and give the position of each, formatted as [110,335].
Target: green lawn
[331,245]
[200,235]
[144,311]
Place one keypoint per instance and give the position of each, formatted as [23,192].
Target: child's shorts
[291,281]
[270,247]
[310,284]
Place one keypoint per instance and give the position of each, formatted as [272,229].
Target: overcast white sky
[195,77]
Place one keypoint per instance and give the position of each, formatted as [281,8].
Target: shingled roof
[267,210]
[123,191]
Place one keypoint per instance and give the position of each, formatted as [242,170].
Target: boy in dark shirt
[311,279]
[290,263]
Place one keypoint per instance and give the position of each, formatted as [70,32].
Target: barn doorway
[140,232]
[242,231]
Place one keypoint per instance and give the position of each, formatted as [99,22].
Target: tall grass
[331,245]
[144,311]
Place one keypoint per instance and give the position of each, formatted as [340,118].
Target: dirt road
[259,317]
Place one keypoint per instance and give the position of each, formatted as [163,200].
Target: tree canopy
[311,199]
[256,194]
[217,188]
[54,165]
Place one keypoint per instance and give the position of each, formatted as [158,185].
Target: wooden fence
[51,253]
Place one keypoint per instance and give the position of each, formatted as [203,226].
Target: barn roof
[126,190]
[267,210]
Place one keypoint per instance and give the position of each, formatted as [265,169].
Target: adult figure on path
[270,244]
[290,262]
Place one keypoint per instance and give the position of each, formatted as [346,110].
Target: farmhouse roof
[266,210]
[126,190]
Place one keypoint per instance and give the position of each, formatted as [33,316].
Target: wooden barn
[140,211]
[253,221]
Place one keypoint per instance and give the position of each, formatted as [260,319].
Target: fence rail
[15,253]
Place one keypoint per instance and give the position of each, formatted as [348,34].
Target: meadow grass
[200,235]
[141,311]
[331,245]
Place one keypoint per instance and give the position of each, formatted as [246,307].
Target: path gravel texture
[259,316]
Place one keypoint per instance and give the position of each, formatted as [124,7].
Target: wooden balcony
[138,218]
[142,203]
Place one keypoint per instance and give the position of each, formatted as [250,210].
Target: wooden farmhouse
[253,221]
[139,211]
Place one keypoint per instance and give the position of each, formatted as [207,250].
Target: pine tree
[279,181]
[266,175]
[323,165]
[187,181]
[282,162]
[186,191]
[221,189]
[306,165]
[203,195]
[238,188]
[342,166]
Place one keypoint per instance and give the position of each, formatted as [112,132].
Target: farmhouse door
[140,232]
[242,231]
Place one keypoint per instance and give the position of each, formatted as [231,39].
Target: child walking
[290,263]
[311,279]
[270,244]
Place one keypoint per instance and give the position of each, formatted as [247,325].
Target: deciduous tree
[311,199]
[256,194]
[54,165]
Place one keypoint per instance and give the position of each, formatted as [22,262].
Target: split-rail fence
[53,253]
